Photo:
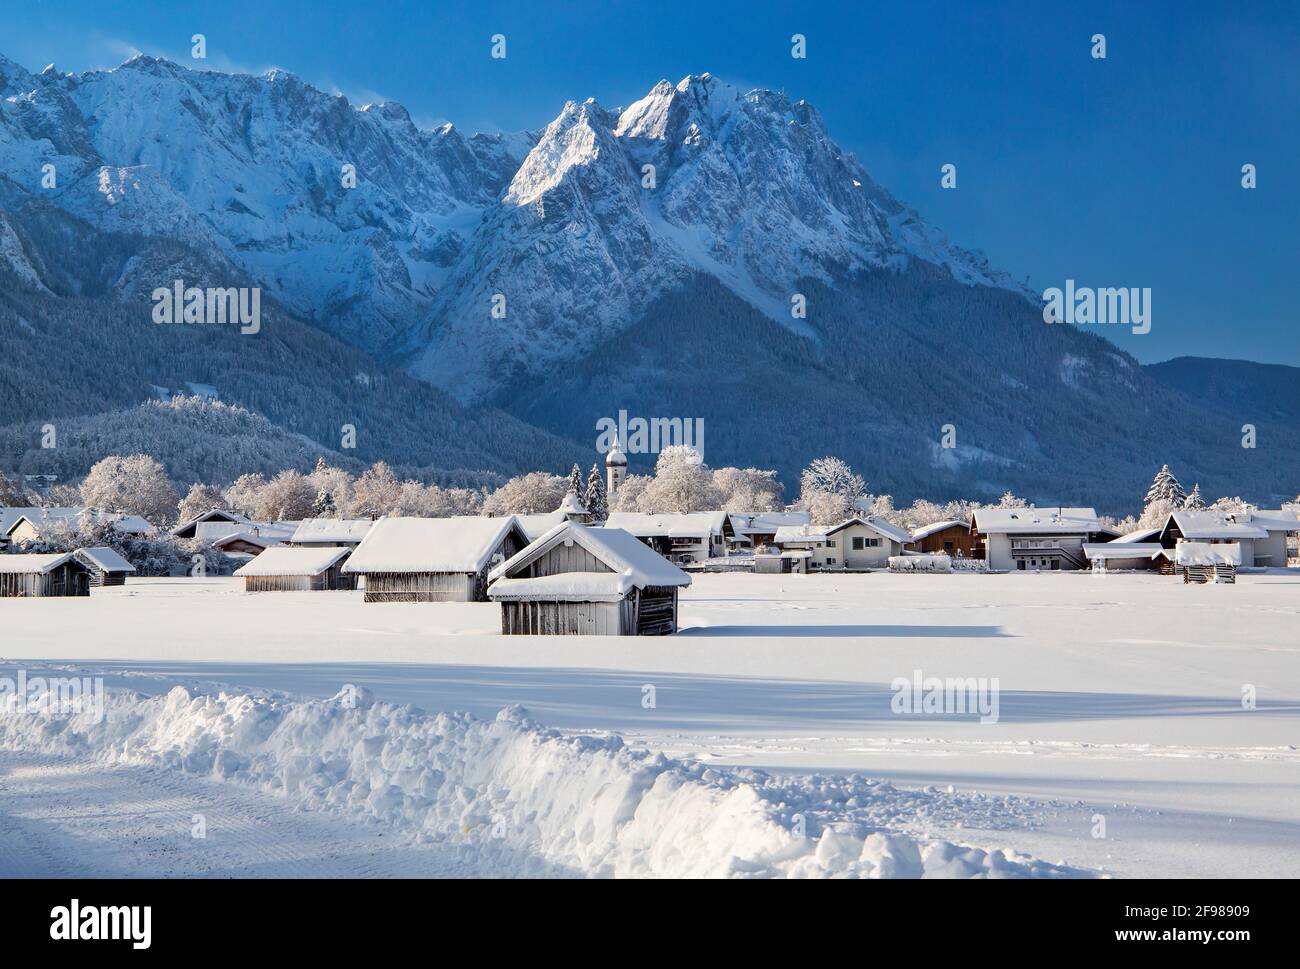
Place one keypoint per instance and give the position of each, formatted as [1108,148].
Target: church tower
[615,468]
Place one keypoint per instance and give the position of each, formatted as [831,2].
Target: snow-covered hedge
[964,564]
[937,562]
[527,800]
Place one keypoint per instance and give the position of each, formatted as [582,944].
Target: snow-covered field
[769,723]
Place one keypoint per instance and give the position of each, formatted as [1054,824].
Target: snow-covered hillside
[749,187]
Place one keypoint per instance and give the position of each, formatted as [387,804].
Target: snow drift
[529,800]
[920,563]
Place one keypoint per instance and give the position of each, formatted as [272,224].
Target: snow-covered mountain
[253,167]
[642,257]
[612,209]
[578,228]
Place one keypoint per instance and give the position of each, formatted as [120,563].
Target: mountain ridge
[590,236]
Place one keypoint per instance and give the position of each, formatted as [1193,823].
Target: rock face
[646,257]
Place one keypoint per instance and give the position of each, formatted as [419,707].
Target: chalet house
[338,532]
[433,559]
[948,537]
[251,543]
[106,565]
[49,575]
[685,538]
[578,580]
[1034,538]
[1261,533]
[535,526]
[211,525]
[752,530]
[858,543]
[42,524]
[1137,550]
[286,568]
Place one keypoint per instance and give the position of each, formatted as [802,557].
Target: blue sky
[1122,172]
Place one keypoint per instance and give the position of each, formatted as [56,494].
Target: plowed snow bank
[530,799]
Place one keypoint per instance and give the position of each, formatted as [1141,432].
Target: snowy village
[639,538]
[358,524]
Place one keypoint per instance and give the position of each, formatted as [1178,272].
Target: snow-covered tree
[12,493]
[1234,506]
[324,505]
[288,496]
[682,483]
[242,494]
[630,492]
[748,489]
[1008,500]
[527,494]
[376,492]
[335,482]
[200,498]
[595,498]
[831,475]
[135,484]
[828,508]
[1164,486]
[575,481]
[1194,501]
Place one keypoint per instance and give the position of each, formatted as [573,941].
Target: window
[830,561]
[857,544]
[1021,565]
[873,543]
[947,545]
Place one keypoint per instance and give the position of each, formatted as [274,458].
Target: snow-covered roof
[1275,519]
[462,544]
[213,515]
[43,518]
[572,505]
[1216,524]
[11,564]
[879,525]
[330,530]
[1205,553]
[744,523]
[535,526]
[814,534]
[1035,521]
[1141,535]
[105,559]
[615,458]
[800,533]
[248,538]
[617,549]
[293,560]
[926,530]
[1122,550]
[695,524]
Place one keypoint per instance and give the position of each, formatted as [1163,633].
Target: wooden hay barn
[106,566]
[23,576]
[433,559]
[283,568]
[576,580]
